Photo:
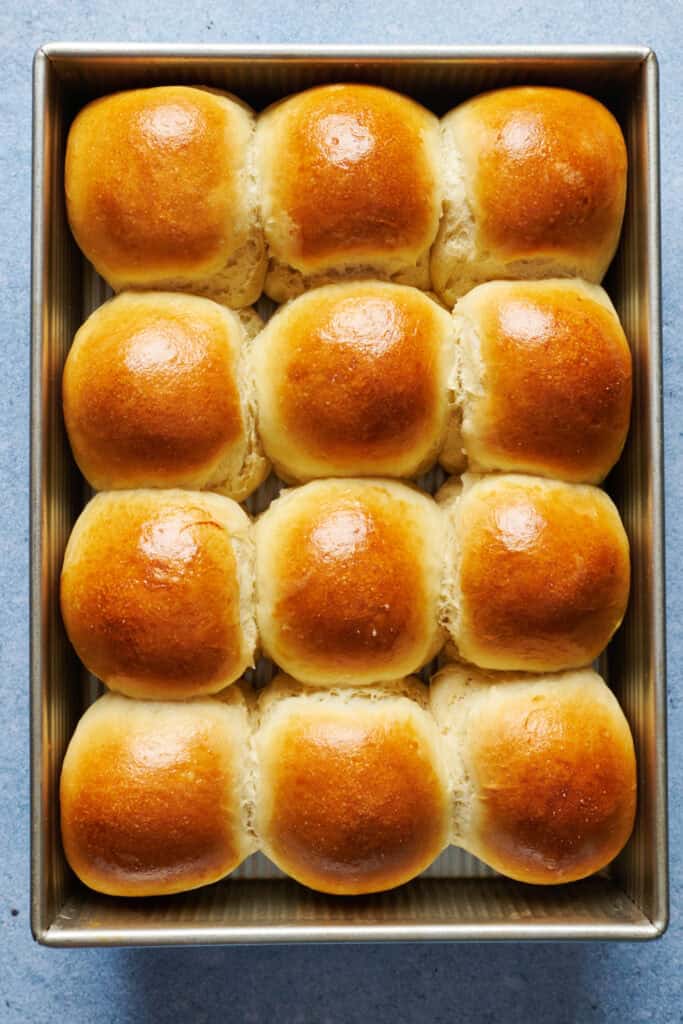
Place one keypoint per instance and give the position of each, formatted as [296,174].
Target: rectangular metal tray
[457,898]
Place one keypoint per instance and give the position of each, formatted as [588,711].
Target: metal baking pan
[458,898]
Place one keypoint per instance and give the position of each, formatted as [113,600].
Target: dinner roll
[543,380]
[348,577]
[158,393]
[352,792]
[153,795]
[157,592]
[538,572]
[535,186]
[352,379]
[351,187]
[542,768]
[161,192]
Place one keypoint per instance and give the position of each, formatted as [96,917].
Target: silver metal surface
[457,898]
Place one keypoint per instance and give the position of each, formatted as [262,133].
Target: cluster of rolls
[355,379]
[352,202]
[350,790]
[185,189]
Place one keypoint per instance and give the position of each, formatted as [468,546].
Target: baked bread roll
[538,572]
[535,186]
[348,575]
[352,792]
[153,795]
[350,187]
[543,379]
[161,192]
[157,392]
[352,380]
[542,769]
[157,592]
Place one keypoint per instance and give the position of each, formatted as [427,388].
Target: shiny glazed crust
[156,592]
[161,192]
[353,794]
[348,576]
[157,393]
[350,184]
[535,186]
[540,573]
[352,379]
[543,769]
[544,379]
[153,795]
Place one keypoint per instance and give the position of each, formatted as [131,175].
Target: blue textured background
[512,983]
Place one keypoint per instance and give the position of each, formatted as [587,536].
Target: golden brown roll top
[350,182]
[543,379]
[539,572]
[535,186]
[161,192]
[348,575]
[352,795]
[157,392]
[156,592]
[352,379]
[542,770]
[153,795]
